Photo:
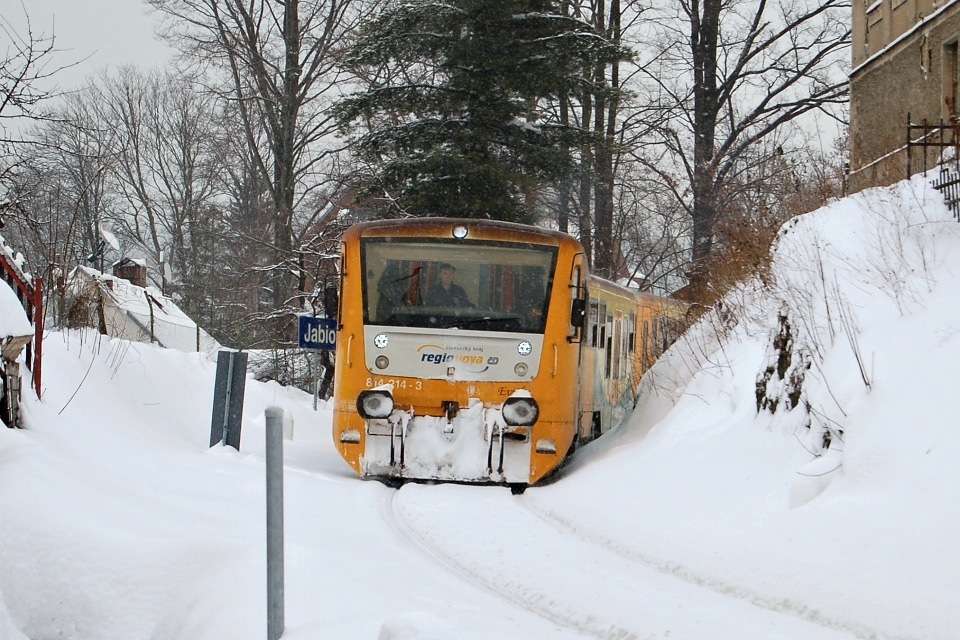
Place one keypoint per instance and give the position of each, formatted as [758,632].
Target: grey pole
[274,442]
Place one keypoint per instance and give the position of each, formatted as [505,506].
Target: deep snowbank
[858,534]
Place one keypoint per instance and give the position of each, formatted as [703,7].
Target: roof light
[459,232]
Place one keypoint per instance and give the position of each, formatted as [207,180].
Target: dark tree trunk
[585,221]
[563,206]
[705,27]
[285,163]
[605,122]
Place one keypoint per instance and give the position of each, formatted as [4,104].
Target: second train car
[481,352]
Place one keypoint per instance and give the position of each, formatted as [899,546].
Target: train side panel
[626,331]
[609,377]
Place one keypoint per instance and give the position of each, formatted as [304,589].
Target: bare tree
[26,72]
[167,170]
[60,187]
[587,203]
[81,146]
[280,63]
[25,67]
[737,73]
[651,231]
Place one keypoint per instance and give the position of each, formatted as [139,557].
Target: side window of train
[617,351]
[578,307]
[658,335]
[646,345]
[593,320]
[608,344]
[602,322]
[625,346]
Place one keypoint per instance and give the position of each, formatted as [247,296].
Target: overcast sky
[102,33]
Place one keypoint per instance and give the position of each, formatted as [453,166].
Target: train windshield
[486,286]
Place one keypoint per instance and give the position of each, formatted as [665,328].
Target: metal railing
[949,185]
[928,141]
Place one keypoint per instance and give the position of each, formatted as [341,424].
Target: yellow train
[481,352]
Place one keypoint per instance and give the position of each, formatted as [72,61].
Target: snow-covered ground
[698,519]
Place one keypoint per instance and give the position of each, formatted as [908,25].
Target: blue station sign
[317,333]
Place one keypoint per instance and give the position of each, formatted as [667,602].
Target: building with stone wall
[905,63]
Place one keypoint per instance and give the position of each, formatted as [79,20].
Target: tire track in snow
[500,543]
[681,572]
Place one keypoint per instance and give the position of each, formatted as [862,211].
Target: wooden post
[38,333]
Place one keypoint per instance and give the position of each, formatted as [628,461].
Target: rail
[30,295]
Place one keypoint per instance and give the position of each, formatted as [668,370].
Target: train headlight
[381,341]
[459,232]
[524,348]
[375,403]
[520,369]
[520,412]
[382,362]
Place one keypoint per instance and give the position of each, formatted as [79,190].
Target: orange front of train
[457,350]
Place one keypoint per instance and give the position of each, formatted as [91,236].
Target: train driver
[444,293]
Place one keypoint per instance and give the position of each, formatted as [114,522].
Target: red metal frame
[32,298]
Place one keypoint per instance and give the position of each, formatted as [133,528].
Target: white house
[122,309]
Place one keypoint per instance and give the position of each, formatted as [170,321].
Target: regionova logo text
[438,355]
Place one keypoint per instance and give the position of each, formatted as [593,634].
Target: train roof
[478,229]
[668,306]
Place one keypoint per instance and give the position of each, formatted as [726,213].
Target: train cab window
[481,285]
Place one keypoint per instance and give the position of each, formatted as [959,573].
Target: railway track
[401,515]
[588,585]
[631,554]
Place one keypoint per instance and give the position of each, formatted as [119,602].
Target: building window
[949,81]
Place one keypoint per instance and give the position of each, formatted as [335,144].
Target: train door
[589,372]
[579,338]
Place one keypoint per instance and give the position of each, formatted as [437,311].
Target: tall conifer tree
[453,118]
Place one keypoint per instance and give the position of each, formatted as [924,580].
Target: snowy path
[532,559]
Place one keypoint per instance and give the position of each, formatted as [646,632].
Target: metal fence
[927,144]
[930,145]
